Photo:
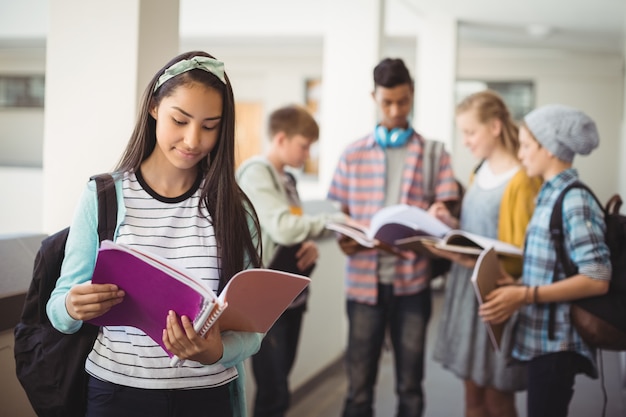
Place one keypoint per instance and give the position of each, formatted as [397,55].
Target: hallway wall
[591,82]
[595,83]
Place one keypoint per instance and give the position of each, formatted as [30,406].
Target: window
[21,91]
[313,92]
[519,96]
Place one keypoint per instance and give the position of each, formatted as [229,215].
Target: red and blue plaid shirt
[359,185]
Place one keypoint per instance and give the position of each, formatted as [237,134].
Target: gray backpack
[433,150]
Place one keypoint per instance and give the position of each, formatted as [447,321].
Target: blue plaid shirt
[584,229]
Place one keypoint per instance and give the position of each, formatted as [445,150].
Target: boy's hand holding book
[439,211]
[349,246]
[466,260]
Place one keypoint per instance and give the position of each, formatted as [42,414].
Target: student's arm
[227,348]
[441,211]
[277,221]
[239,346]
[572,288]
[73,292]
[338,192]
[502,302]
[446,188]
[584,231]
[584,235]
[446,205]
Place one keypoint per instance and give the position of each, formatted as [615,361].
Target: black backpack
[49,364]
[600,320]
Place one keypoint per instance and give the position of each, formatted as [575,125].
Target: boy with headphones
[385,292]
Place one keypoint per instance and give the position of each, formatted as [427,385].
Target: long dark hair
[228,206]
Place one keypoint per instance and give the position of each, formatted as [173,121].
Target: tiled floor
[444,392]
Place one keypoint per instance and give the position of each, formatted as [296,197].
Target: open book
[484,280]
[404,227]
[252,300]
[459,241]
[391,224]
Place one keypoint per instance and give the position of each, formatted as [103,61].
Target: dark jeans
[551,383]
[406,319]
[111,400]
[272,364]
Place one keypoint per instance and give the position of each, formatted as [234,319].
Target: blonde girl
[498,204]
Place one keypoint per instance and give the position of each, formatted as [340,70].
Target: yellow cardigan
[516,209]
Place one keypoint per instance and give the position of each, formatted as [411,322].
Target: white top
[174,229]
[487,179]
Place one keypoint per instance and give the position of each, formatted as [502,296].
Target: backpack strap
[558,239]
[430,167]
[107,206]
[254,161]
[291,177]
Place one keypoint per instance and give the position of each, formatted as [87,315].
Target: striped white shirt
[175,229]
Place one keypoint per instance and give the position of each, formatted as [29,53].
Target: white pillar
[621,183]
[100,56]
[435,76]
[351,51]
[622,165]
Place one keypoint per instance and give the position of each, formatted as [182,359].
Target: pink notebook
[252,300]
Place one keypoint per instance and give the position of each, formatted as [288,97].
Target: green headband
[207,64]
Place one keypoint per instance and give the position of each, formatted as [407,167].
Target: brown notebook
[486,274]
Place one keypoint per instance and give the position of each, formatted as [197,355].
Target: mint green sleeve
[270,202]
[80,258]
[239,346]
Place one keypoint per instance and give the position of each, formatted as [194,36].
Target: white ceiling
[591,16]
[598,25]
[575,24]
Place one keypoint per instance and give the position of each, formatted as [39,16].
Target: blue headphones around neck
[393,138]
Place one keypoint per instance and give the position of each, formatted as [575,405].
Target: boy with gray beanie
[549,138]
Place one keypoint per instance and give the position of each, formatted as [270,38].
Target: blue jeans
[105,399]
[272,364]
[406,319]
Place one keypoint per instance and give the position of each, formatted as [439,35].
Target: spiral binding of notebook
[209,314]
[215,311]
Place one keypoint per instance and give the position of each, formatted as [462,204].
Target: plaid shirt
[584,230]
[359,185]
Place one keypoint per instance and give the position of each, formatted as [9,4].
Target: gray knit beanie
[562,130]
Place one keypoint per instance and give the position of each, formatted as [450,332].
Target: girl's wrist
[531,294]
[527,295]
